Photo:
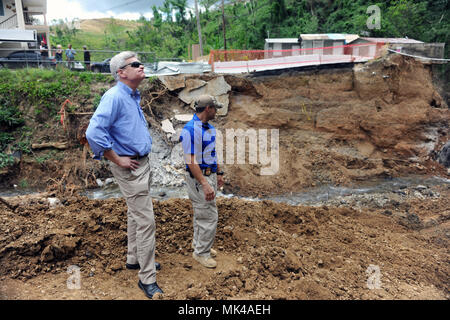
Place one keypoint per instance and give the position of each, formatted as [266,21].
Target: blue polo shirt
[119,124]
[199,139]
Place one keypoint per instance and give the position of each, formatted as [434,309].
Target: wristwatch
[220,173]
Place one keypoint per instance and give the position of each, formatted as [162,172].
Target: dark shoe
[137,266]
[150,289]
[132,266]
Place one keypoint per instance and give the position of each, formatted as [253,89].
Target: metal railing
[9,23]
[47,59]
[31,19]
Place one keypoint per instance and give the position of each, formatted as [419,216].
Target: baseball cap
[207,100]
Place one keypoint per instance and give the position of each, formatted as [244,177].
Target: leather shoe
[137,266]
[150,289]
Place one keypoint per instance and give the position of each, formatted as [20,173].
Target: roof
[391,40]
[329,36]
[282,40]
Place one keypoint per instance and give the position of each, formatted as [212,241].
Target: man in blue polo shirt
[119,132]
[202,178]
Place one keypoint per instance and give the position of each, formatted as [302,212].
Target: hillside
[99,26]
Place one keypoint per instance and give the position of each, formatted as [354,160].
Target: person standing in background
[87,58]
[70,56]
[58,55]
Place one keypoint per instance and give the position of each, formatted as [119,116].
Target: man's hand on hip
[128,163]
[123,162]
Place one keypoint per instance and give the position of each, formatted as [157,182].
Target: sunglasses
[134,64]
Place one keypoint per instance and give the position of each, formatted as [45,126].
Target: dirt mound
[266,250]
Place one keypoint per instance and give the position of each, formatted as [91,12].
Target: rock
[173,82]
[417,194]
[116,266]
[54,202]
[109,181]
[444,155]
[167,126]
[192,84]
[217,88]
[184,117]
[187,266]
[47,254]
[99,182]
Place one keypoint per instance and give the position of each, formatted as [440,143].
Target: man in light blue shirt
[70,55]
[119,132]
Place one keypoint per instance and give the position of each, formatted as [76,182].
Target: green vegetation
[45,90]
[39,93]
[248,23]
[6,160]
[53,154]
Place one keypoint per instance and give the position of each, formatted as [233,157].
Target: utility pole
[224,28]
[199,29]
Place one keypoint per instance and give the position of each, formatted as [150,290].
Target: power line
[125,4]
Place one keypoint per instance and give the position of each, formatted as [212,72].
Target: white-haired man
[119,132]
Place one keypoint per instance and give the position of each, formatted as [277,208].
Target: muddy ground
[266,250]
[339,126]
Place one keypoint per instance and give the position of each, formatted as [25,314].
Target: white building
[23,24]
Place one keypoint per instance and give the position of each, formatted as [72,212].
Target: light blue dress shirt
[119,124]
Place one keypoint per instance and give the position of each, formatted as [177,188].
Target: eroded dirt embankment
[378,120]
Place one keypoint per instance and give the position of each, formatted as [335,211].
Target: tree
[180,7]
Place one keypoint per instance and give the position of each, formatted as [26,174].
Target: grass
[33,96]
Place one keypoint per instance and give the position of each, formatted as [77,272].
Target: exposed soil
[266,250]
[340,126]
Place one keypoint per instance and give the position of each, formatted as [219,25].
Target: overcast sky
[91,9]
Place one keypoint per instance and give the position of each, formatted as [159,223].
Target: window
[2,11]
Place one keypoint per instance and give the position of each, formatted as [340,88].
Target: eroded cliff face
[380,119]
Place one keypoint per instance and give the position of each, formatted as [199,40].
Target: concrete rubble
[193,88]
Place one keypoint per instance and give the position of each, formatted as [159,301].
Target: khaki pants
[205,215]
[141,228]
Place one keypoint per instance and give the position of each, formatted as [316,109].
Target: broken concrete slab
[173,82]
[167,126]
[184,117]
[216,87]
[192,84]
[224,100]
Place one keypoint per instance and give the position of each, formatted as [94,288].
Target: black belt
[136,157]
[206,172]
